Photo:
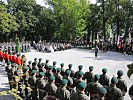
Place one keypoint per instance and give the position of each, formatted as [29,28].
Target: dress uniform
[62,69]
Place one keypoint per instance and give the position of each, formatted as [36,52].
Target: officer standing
[96,51]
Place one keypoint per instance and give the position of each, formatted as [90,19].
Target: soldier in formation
[47,84]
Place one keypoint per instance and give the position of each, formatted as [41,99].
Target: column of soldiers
[51,47]
[10,47]
[47,82]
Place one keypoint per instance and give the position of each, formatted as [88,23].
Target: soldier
[49,72]
[70,80]
[50,87]
[80,69]
[80,94]
[101,94]
[9,73]
[62,93]
[32,84]
[79,79]
[25,78]
[114,93]
[47,64]
[40,60]
[89,76]
[42,69]
[70,68]
[54,67]
[121,83]
[93,87]
[40,85]
[58,77]
[30,65]
[96,51]
[104,79]
[35,60]
[131,92]
[34,67]
[62,69]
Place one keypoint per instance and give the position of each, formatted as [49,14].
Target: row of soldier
[51,47]
[12,47]
[50,83]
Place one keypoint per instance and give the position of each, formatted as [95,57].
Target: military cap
[64,81]
[80,66]
[120,73]
[29,62]
[42,74]
[35,59]
[51,67]
[54,62]
[104,70]
[102,90]
[40,59]
[97,77]
[52,78]
[34,71]
[70,65]
[62,64]
[114,80]
[82,85]
[80,73]
[58,69]
[68,72]
[19,67]
[42,64]
[8,63]
[47,60]
[91,68]
[26,68]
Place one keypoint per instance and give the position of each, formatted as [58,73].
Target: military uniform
[62,93]
[40,85]
[80,95]
[50,87]
[89,76]
[131,92]
[114,93]
[121,83]
[104,79]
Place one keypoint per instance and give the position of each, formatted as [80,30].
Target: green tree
[7,22]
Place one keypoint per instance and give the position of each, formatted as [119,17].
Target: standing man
[96,51]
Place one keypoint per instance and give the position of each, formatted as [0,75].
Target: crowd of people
[51,47]
[49,82]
